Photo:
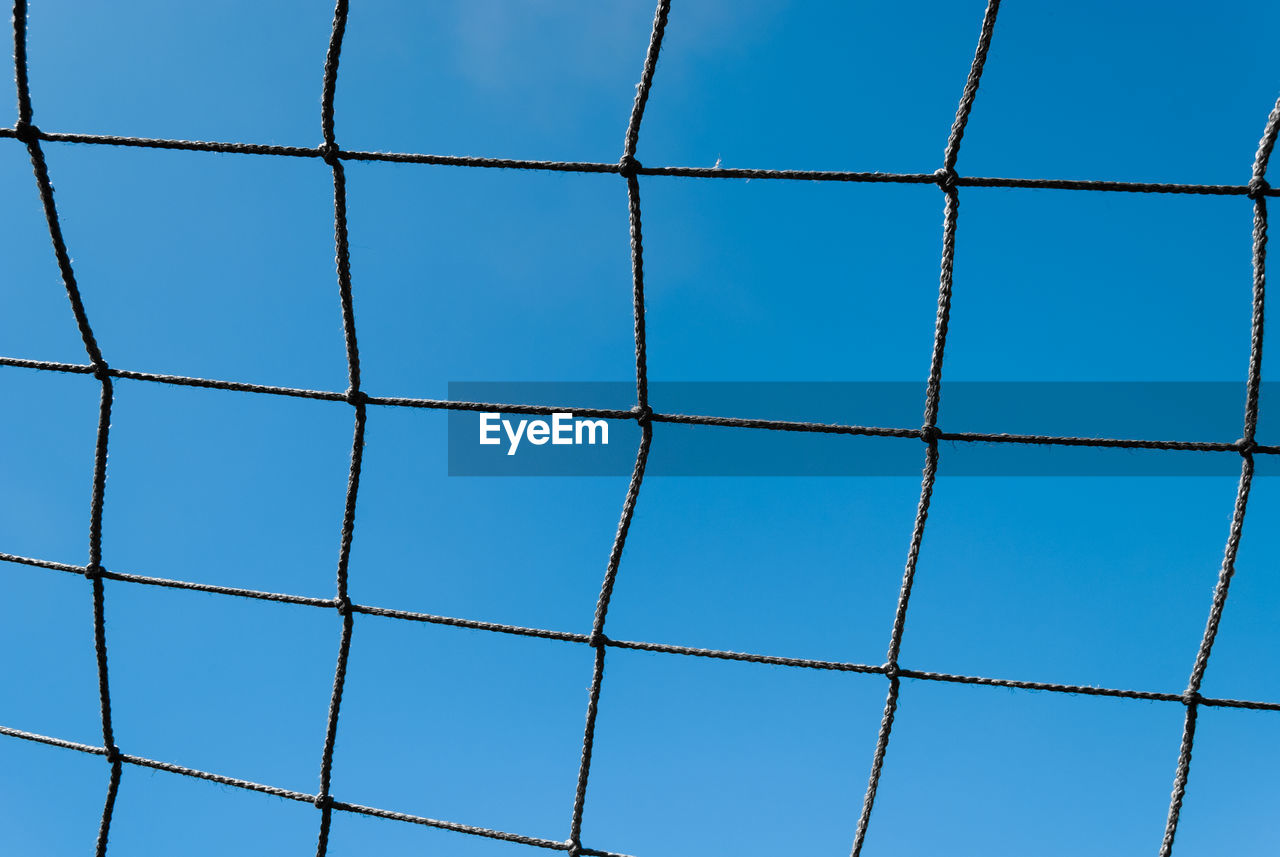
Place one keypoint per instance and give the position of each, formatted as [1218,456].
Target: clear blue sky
[222,266]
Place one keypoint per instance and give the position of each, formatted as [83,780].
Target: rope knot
[329,152]
[1258,187]
[890,671]
[946,179]
[26,132]
[101,370]
[1191,697]
[644,414]
[357,397]
[323,801]
[93,571]
[113,754]
[597,639]
[343,603]
[1246,447]
[930,433]
[628,166]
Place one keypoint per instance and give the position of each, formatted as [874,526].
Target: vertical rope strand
[27,132]
[952,153]
[637,279]
[628,168]
[946,179]
[598,641]
[891,667]
[1191,698]
[330,152]
[646,79]
[1258,189]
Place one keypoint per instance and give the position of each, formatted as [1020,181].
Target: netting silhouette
[947,180]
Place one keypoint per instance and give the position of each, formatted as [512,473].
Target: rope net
[630,170]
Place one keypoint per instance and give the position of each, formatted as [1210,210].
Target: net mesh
[949,183]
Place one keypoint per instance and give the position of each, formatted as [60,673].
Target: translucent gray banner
[566,442]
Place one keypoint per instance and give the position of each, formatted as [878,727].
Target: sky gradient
[221,266]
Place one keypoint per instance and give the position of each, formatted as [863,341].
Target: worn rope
[26,132]
[655,416]
[636,645]
[354,395]
[629,168]
[929,431]
[1192,697]
[603,167]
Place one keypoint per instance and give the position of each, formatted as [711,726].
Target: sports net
[630,170]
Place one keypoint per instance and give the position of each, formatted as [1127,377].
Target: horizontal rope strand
[872,177]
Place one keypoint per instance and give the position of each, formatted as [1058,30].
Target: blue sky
[222,266]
